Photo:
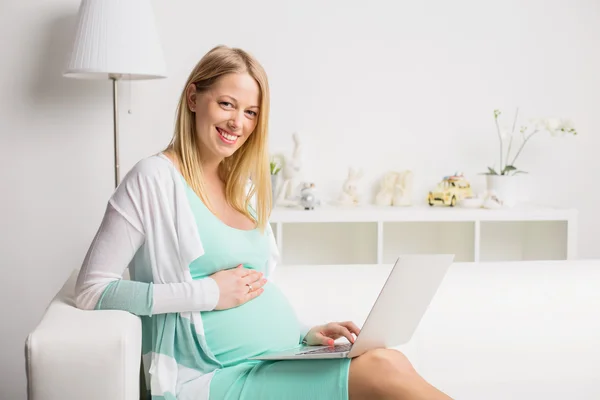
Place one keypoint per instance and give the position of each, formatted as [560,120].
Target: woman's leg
[387,374]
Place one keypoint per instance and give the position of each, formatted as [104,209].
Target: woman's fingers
[351,326]
[253,278]
[341,330]
[324,339]
[258,284]
[254,293]
[333,331]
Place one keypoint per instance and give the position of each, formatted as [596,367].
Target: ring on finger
[249,287]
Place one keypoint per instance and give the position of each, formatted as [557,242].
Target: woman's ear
[191,97]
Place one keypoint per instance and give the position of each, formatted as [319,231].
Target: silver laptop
[400,305]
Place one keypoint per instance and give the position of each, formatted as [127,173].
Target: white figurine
[308,198]
[403,192]
[291,173]
[396,189]
[386,193]
[349,195]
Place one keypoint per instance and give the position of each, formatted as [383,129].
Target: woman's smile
[227,136]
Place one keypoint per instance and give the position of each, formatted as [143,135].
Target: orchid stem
[499,138]
[523,145]
[512,135]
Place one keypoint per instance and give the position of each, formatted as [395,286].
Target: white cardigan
[149,227]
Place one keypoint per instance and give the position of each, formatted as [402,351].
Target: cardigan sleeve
[100,283]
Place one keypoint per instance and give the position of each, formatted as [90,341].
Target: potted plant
[511,143]
[275,167]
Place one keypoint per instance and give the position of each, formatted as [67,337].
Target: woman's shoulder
[155,168]
[152,174]
[140,188]
[153,165]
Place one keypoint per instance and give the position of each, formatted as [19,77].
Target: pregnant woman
[191,224]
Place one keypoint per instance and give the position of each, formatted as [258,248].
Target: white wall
[377,85]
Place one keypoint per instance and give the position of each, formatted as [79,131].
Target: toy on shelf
[385,196]
[472,202]
[403,192]
[450,191]
[349,195]
[287,193]
[308,198]
[396,189]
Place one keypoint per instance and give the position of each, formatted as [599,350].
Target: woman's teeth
[231,138]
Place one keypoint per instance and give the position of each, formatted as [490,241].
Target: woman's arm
[100,284]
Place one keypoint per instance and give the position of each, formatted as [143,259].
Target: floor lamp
[116,40]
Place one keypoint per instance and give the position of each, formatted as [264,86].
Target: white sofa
[510,330]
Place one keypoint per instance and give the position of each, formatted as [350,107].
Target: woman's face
[226,115]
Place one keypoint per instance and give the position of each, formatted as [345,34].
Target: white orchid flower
[568,127]
[508,158]
[559,126]
[552,125]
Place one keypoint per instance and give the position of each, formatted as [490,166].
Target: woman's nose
[236,121]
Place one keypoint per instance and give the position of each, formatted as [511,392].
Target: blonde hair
[250,163]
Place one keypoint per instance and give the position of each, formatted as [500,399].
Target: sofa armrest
[78,354]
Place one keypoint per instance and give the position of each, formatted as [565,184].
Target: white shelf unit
[373,234]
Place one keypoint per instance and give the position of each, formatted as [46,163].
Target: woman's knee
[390,361]
[378,373]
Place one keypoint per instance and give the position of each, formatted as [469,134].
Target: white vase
[505,187]
[274,187]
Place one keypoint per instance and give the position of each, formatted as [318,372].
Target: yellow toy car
[450,191]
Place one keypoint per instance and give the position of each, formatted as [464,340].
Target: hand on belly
[265,323]
[237,286]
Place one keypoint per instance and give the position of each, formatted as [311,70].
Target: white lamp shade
[116,38]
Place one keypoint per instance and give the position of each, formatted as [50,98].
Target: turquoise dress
[264,324]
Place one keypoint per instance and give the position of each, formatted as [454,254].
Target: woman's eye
[226,104]
[252,113]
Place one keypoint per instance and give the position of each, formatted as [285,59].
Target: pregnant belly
[263,324]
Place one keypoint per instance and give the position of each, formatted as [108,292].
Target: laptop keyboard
[335,349]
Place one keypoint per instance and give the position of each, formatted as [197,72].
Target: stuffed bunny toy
[349,194]
[291,175]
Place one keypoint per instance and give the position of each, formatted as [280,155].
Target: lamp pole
[115,79]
